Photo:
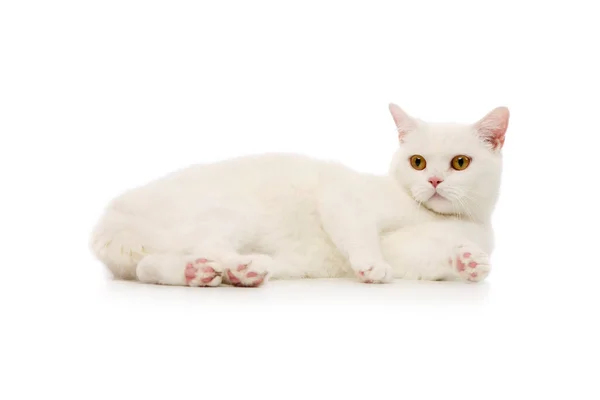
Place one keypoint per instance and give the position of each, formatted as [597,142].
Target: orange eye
[460,162]
[418,162]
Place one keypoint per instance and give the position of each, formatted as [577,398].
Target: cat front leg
[354,232]
[469,263]
[444,250]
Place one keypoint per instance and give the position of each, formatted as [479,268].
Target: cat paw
[379,272]
[248,271]
[165,269]
[202,272]
[470,263]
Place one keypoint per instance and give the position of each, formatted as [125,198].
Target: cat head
[451,169]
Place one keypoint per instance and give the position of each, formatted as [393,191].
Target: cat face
[451,168]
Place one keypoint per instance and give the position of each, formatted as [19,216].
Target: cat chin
[439,205]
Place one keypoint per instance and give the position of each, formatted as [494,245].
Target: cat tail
[122,240]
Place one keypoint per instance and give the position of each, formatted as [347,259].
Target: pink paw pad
[201,275]
[232,278]
[241,278]
[190,272]
[460,265]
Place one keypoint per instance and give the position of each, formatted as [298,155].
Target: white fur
[290,216]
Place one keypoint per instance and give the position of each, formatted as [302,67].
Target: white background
[100,96]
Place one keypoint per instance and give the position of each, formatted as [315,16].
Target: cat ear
[404,122]
[492,127]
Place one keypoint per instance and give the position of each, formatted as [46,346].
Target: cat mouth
[437,196]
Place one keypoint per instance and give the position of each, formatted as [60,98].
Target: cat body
[285,216]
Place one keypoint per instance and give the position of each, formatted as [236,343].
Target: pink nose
[435,181]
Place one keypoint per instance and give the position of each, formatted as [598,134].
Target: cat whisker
[460,200]
[466,209]
[470,204]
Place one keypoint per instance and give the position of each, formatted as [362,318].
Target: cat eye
[418,162]
[460,162]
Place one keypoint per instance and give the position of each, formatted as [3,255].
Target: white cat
[280,216]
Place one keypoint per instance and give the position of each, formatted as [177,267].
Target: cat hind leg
[250,270]
[195,270]
[180,270]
